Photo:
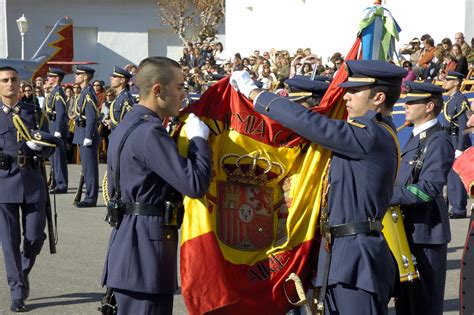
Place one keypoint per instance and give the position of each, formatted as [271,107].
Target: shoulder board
[356,124]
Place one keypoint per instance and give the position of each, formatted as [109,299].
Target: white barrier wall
[327,26]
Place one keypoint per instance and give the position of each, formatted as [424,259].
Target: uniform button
[168,236]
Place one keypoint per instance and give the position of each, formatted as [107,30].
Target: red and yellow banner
[259,220]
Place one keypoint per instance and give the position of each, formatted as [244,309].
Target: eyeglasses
[27,90]
[97,85]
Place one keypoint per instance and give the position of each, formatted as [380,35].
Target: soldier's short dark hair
[392,94]
[154,70]
[438,102]
[8,68]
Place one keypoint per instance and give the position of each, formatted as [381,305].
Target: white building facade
[109,32]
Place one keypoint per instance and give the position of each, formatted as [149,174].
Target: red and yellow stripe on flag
[258,222]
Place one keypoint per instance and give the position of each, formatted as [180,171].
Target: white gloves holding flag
[457,153]
[241,81]
[195,127]
[57,134]
[87,142]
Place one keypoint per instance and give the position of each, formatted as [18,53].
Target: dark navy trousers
[90,168]
[457,195]
[18,264]
[129,302]
[59,164]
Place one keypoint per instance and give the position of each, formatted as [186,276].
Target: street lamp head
[22,23]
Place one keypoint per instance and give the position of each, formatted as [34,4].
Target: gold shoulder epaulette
[355,123]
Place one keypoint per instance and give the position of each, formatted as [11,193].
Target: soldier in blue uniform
[124,101]
[141,264]
[426,161]
[455,114]
[362,273]
[86,134]
[22,186]
[56,110]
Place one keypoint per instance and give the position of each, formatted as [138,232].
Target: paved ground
[69,281]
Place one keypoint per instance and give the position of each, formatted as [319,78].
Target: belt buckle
[21,160]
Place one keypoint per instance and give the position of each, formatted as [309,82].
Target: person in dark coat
[455,114]
[22,186]
[56,110]
[86,135]
[362,273]
[141,265]
[426,162]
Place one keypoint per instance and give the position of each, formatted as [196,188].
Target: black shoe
[57,191]
[27,286]
[18,306]
[84,204]
[454,215]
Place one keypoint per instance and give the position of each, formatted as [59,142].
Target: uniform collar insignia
[423,135]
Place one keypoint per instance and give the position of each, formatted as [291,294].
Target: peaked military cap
[122,73]
[418,91]
[44,139]
[454,75]
[84,69]
[373,72]
[306,87]
[55,72]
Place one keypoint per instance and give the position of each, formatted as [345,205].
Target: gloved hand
[241,81]
[457,153]
[87,142]
[195,127]
[34,146]
[57,134]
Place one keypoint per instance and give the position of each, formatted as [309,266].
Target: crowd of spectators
[425,60]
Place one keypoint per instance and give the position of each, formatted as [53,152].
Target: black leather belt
[21,160]
[144,209]
[354,228]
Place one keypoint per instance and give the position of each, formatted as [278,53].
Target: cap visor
[348,84]
[411,99]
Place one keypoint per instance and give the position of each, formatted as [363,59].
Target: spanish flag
[259,220]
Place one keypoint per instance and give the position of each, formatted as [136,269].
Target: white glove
[87,142]
[195,127]
[241,81]
[57,134]
[34,146]
[457,153]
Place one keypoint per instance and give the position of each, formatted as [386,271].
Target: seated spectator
[267,77]
[460,59]
[427,54]
[413,49]
[410,75]
[447,46]
[435,64]
[306,69]
[450,63]
[465,48]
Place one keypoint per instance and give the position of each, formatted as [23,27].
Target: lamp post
[22,23]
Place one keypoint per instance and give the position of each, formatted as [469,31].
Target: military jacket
[20,184]
[362,174]
[56,106]
[142,251]
[86,108]
[425,210]
[120,106]
[455,114]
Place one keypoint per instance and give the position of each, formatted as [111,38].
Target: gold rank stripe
[419,94]
[364,80]
[21,128]
[299,94]
[118,74]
